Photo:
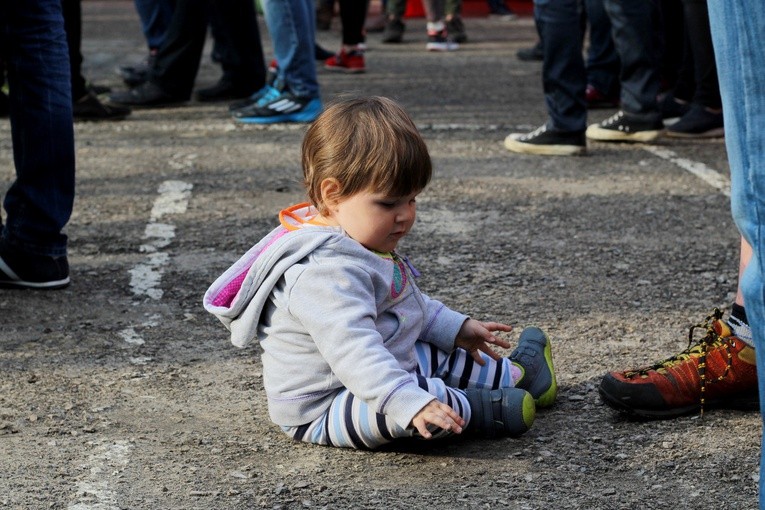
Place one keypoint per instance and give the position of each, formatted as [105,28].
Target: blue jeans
[155,18]
[563,72]
[39,203]
[292,25]
[737,29]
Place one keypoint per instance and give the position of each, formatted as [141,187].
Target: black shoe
[224,90]
[88,107]
[98,89]
[672,108]
[625,127]
[698,123]
[455,30]
[545,142]
[147,95]
[534,53]
[394,31]
[135,75]
[321,54]
[24,271]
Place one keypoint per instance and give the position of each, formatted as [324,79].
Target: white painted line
[95,492]
[700,170]
[146,277]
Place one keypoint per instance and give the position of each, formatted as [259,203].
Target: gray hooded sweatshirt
[331,314]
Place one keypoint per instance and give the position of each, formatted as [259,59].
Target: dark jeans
[633,23]
[39,202]
[602,59]
[563,72]
[177,62]
[155,18]
[701,52]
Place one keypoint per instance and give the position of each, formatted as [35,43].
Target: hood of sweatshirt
[238,296]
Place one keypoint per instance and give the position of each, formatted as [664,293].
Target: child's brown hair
[367,143]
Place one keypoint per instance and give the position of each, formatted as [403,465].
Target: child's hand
[440,415]
[475,336]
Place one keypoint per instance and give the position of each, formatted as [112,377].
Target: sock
[516,373]
[739,325]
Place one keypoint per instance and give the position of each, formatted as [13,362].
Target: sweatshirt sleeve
[336,304]
[442,324]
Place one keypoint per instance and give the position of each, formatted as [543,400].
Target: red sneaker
[717,371]
[350,62]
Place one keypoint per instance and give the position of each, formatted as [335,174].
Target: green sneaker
[501,412]
[534,357]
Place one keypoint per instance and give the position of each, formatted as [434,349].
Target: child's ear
[330,192]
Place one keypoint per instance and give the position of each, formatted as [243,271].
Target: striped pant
[351,423]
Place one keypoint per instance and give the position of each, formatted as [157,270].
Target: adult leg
[292,26]
[737,28]
[86,105]
[171,78]
[39,202]
[350,58]
[72,11]
[155,16]
[563,73]
[237,39]
[632,22]
[564,81]
[602,60]
[639,120]
[704,118]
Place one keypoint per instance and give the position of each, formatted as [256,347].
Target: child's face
[375,220]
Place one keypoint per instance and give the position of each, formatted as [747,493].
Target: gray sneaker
[534,357]
[501,412]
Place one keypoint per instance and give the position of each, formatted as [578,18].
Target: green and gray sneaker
[534,357]
[501,412]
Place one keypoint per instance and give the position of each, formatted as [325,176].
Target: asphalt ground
[122,392]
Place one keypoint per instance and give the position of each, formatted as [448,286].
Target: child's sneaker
[24,271]
[438,41]
[346,62]
[718,370]
[279,105]
[624,127]
[534,357]
[547,142]
[500,412]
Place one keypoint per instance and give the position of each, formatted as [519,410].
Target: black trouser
[72,12]
[240,50]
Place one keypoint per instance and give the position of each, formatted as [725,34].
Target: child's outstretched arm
[476,336]
[438,414]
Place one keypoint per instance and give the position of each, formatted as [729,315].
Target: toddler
[354,354]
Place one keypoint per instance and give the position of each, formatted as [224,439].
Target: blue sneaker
[275,105]
[534,357]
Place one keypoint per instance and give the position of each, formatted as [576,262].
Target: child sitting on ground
[354,355]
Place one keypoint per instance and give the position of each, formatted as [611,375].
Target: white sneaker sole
[513,144]
[595,132]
